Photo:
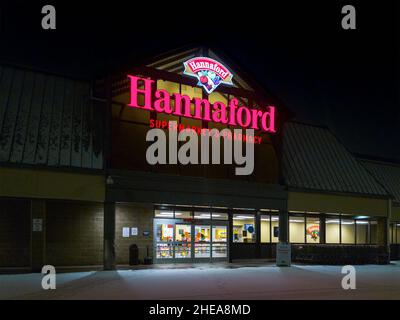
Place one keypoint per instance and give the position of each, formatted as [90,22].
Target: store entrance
[183,240]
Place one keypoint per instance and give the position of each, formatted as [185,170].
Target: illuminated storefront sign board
[209,72]
[177,104]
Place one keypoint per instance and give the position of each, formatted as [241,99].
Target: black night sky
[344,79]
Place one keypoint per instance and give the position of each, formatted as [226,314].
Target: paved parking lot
[210,282]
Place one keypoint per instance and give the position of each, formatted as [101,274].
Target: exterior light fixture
[109,180]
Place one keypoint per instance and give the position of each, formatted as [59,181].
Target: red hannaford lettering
[217,112]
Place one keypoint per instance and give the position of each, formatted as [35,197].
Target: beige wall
[362,232]
[296,231]
[26,183]
[395,213]
[265,232]
[332,233]
[348,233]
[265,236]
[326,203]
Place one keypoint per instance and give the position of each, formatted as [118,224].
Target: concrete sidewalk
[210,282]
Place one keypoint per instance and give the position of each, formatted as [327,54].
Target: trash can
[133,254]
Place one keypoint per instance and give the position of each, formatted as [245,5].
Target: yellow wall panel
[326,203]
[26,183]
[395,213]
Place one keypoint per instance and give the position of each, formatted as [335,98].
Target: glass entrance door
[176,240]
[164,239]
[202,241]
[183,241]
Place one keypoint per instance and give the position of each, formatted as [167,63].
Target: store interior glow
[343,221]
[347,222]
[272,219]
[202,215]
[243,217]
[332,221]
[168,214]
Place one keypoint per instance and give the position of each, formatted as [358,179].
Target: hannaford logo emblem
[209,72]
[313,232]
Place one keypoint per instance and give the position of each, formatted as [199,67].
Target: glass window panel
[202,234]
[183,214]
[219,233]
[219,250]
[312,230]
[397,233]
[332,230]
[202,215]
[202,250]
[362,231]
[265,229]
[373,231]
[164,213]
[183,250]
[244,228]
[219,216]
[348,231]
[165,232]
[183,232]
[392,233]
[296,229]
[275,228]
[164,250]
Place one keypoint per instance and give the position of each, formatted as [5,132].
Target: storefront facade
[77,189]
[388,174]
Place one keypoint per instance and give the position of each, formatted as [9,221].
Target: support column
[283,248]
[109,236]
[258,234]
[382,230]
[388,230]
[382,235]
[230,236]
[322,229]
[284,226]
[38,234]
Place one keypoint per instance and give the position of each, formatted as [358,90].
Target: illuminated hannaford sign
[209,72]
[180,105]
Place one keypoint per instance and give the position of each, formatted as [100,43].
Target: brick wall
[15,233]
[133,215]
[74,233]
